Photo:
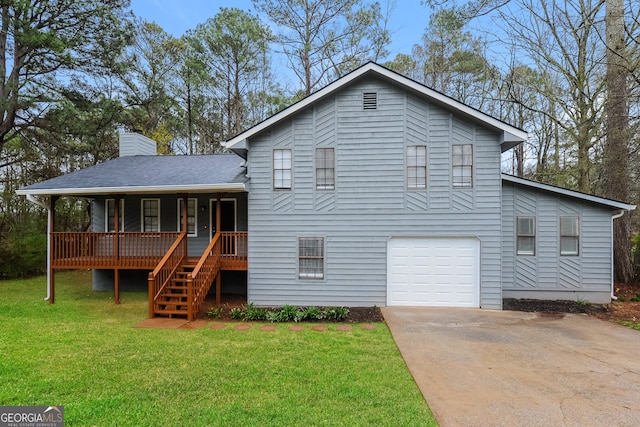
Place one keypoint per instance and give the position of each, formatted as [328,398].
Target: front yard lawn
[83,353]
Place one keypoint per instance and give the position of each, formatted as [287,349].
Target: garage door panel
[435,272]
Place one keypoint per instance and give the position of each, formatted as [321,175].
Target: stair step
[172,306]
[176,298]
[170,312]
[175,292]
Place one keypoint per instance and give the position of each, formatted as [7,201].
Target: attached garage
[433,272]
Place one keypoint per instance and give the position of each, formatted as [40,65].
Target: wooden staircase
[179,284]
[174,298]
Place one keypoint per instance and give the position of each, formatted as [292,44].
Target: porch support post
[52,228]
[218,288]
[185,221]
[116,229]
[116,286]
[218,213]
[218,224]
[116,225]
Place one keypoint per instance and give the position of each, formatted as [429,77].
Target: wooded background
[76,73]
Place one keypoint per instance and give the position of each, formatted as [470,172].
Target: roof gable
[564,192]
[511,136]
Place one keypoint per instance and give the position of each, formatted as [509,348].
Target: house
[375,190]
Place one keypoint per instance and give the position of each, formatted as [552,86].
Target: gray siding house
[377,190]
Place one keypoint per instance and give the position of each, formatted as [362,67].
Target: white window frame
[309,275]
[574,235]
[416,161]
[142,216]
[281,165]
[459,163]
[108,217]
[327,167]
[194,216]
[522,235]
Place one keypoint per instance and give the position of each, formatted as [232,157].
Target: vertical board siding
[548,271]
[370,202]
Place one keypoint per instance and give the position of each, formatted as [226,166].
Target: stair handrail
[165,270]
[199,280]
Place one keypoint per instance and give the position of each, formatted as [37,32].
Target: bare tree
[323,39]
[562,39]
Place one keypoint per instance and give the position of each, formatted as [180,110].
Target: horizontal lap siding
[547,270]
[370,202]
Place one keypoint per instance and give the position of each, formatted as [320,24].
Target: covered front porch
[141,251]
[181,219]
[179,277]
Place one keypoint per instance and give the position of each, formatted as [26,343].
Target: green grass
[82,352]
[632,325]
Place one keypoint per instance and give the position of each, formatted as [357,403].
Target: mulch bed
[617,311]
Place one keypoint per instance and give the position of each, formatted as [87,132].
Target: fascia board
[159,189]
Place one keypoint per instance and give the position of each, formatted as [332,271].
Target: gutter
[154,189]
[39,202]
[614,217]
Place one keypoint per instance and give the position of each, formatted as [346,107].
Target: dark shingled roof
[146,174]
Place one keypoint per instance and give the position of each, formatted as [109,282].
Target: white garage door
[434,272]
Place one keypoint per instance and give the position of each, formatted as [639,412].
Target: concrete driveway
[504,368]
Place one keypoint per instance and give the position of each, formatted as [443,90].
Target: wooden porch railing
[200,279]
[233,250]
[109,250]
[161,276]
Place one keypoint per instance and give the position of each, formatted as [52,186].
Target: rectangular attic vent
[370,100]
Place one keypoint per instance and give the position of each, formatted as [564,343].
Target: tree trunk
[616,181]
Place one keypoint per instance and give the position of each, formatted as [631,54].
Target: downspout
[614,217]
[40,203]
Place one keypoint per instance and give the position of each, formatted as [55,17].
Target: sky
[407,23]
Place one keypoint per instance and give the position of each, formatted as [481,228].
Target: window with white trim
[192,216]
[311,258]
[150,215]
[110,213]
[462,165]
[416,166]
[569,235]
[282,169]
[325,169]
[526,235]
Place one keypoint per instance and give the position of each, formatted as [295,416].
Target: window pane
[151,217]
[569,246]
[568,226]
[569,235]
[325,171]
[311,257]
[525,226]
[462,165]
[526,236]
[417,166]
[282,169]
[526,245]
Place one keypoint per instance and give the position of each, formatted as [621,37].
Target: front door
[227,215]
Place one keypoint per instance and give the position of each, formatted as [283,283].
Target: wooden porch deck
[133,251]
[177,283]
